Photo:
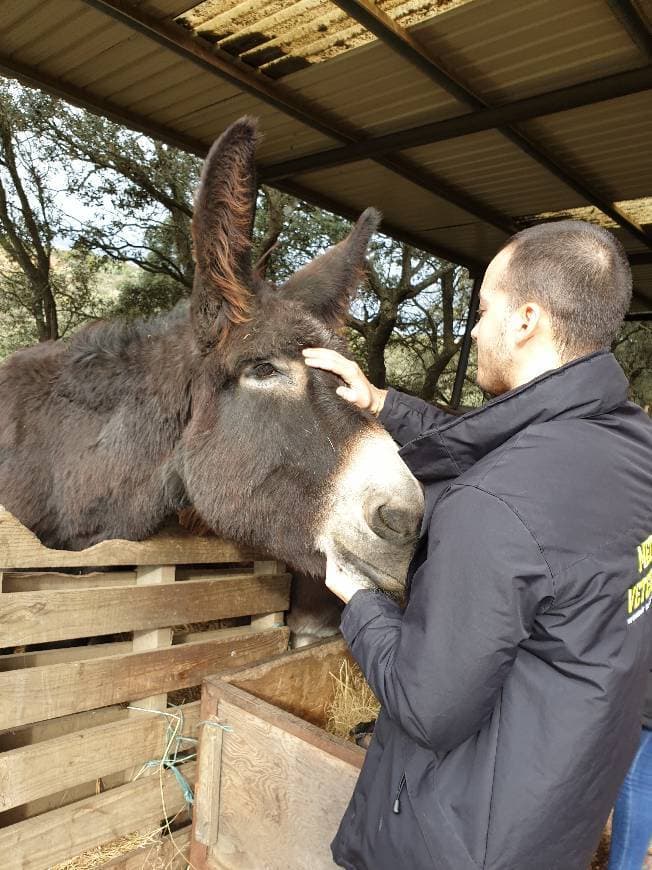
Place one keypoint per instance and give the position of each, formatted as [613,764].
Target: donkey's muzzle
[398,519]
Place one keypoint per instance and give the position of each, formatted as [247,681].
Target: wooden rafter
[404,44]
[629,16]
[561,100]
[175,38]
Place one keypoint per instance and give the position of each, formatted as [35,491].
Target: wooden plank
[35,771]
[173,545]
[275,715]
[66,796]
[30,581]
[207,809]
[52,729]
[157,638]
[211,573]
[43,693]
[264,765]
[169,852]
[198,851]
[297,682]
[40,658]
[275,619]
[40,842]
[26,735]
[41,616]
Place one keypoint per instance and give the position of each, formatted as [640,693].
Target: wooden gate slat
[35,694]
[51,838]
[41,616]
[44,768]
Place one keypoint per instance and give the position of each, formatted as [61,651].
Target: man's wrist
[377,400]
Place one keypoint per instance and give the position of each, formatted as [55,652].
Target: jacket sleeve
[438,667]
[406,417]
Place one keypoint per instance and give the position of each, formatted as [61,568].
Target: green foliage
[81,285]
[633,350]
[102,227]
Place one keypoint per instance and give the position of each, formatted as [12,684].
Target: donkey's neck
[135,379]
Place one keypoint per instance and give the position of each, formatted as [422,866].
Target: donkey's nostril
[394,519]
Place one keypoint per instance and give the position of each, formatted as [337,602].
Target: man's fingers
[348,394]
[324,358]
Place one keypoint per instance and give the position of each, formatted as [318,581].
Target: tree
[136,197]
[28,217]
[633,350]
[45,292]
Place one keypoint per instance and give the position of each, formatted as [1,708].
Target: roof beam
[173,37]
[422,243]
[78,97]
[642,258]
[631,19]
[585,94]
[402,42]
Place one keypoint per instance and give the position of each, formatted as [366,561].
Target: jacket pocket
[446,848]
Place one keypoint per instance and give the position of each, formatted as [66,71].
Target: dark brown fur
[108,433]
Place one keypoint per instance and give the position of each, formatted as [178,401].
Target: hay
[353,701]
[99,855]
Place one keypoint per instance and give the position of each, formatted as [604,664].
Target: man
[631,829]
[512,683]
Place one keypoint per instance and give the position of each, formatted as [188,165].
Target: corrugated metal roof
[280,37]
[333,67]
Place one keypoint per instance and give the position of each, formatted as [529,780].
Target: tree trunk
[377,337]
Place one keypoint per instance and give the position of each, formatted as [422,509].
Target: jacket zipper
[397,800]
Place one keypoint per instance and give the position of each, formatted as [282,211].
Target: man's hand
[340,583]
[358,390]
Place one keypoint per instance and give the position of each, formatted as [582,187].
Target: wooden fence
[78,652]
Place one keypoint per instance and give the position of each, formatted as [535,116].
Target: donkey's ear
[221,231]
[325,286]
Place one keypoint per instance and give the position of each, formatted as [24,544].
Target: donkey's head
[272,456]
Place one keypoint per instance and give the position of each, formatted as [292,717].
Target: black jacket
[511,685]
[647,709]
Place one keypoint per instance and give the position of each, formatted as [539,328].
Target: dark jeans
[632,824]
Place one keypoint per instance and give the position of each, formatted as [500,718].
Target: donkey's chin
[390,578]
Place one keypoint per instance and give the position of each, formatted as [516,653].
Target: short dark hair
[579,273]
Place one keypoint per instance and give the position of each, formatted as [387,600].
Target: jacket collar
[586,387]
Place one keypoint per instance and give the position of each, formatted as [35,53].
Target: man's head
[554,292]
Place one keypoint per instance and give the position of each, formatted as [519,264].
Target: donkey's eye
[263,370]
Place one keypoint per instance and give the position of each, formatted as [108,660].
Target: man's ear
[326,285]
[221,230]
[531,318]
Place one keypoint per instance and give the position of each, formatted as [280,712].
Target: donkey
[108,433]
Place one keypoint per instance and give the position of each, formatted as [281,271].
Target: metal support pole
[638,315]
[465,350]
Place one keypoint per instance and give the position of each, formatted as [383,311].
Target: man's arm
[438,667]
[406,417]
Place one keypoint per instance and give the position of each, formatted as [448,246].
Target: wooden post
[207,810]
[157,638]
[268,620]
[205,815]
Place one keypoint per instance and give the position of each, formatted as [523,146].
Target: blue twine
[171,765]
[215,724]
[170,762]
[173,738]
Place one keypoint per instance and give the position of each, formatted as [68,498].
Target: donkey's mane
[117,338]
[107,362]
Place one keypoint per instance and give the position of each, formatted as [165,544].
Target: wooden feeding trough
[272,789]
[80,651]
